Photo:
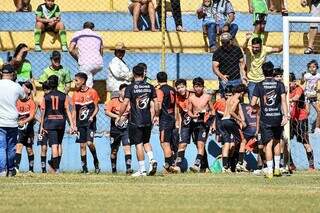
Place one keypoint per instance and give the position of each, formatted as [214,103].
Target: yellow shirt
[255,62]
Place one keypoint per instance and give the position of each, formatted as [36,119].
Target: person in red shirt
[84,110]
[119,130]
[299,113]
[26,110]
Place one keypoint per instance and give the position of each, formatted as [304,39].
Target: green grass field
[176,193]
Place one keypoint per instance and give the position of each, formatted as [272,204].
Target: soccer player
[48,19]
[53,121]
[119,130]
[183,121]
[140,95]
[42,136]
[166,96]
[232,122]
[84,110]
[273,116]
[27,110]
[198,110]
[299,118]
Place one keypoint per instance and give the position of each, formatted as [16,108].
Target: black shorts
[200,132]
[118,138]
[269,133]
[185,135]
[231,131]
[259,18]
[25,137]
[166,134]
[299,129]
[139,135]
[55,136]
[42,139]
[312,100]
[85,134]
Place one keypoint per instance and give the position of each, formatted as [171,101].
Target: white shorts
[315,12]
[90,70]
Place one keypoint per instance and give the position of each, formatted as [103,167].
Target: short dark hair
[313,61]
[198,81]
[228,89]
[122,86]
[162,77]
[82,76]
[138,70]
[277,71]
[45,85]
[88,25]
[143,65]
[53,82]
[267,69]
[256,40]
[29,85]
[180,81]
[240,88]
[292,77]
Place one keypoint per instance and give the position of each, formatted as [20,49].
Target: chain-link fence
[182,48]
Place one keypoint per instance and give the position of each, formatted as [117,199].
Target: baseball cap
[225,37]
[7,68]
[55,55]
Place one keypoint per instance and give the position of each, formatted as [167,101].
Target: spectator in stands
[10,92]
[259,9]
[256,56]
[176,12]
[118,71]
[138,7]
[86,47]
[23,5]
[58,70]
[315,12]
[48,19]
[217,17]
[228,63]
[283,3]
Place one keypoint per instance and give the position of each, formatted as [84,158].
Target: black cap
[55,55]
[8,68]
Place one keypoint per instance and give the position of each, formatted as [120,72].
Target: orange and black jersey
[84,103]
[114,106]
[25,109]
[54,105]
[166,96]
[140,95]
[182,103]
[219,107]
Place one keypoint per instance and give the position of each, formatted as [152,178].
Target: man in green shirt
[48,19]
[259,9]
[57,69]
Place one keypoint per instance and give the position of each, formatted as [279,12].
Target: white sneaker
[226,171]
[258,172]
[241,167]
[152,167]
[139,174]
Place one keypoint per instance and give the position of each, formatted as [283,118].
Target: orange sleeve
[96,97]
[33,107]
[159,95]
[300,92]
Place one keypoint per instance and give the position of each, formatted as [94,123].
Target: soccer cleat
[152,167]
[258,172]
[268,175]
[51,169]
[139,174]
[284,170]
[97,170]
[44,171]
[241,168]
[311,169]
[129,172]
[37,48]
[84,170]
[64,48]
[176,169]
[195,169]
[277,173]
[226,170]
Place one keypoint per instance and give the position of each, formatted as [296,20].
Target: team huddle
[181,114]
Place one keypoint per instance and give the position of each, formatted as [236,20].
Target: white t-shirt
[10,92]
[311,84]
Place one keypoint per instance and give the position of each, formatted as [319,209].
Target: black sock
[282,160]
[241,157]
[17,160]
[180,157]
[84,162]
[94,155]
[55,162]
[43,163]
[198,160]
[114,164]
[169,161]
[259,167]
[204,161]
[310,159]
[31,162]
[225,162]
[58,162]
[128,161]
[262,155]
